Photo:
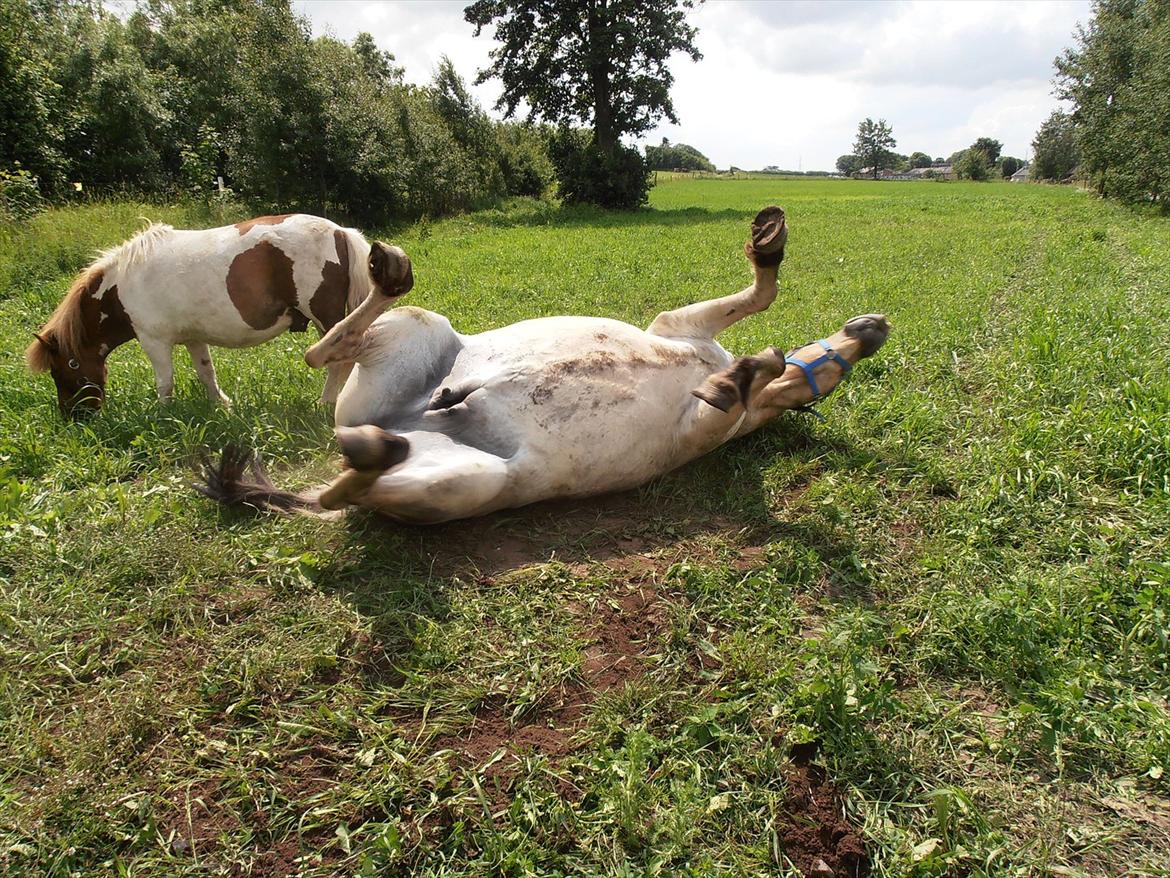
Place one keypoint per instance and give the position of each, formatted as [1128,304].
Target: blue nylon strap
[830,355]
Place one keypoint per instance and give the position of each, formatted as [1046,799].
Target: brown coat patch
[328,302]
[110,323]
[260,284]
[732,385]
[245,226]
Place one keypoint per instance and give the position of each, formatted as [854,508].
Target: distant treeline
[780,172]
[183,92]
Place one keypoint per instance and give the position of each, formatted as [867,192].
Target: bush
[676,157]
[524,160]
[20,197]
[972,165]
[586,175]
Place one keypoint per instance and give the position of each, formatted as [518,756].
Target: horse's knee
[371,449]
[740,381]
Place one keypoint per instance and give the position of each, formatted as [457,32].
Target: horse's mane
[65,329]
[135,251]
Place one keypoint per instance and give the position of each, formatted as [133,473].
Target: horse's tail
[240,479]
[359,273]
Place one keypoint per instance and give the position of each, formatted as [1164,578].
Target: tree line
[183,95]
[1116,137]
[182,92]
[873,152]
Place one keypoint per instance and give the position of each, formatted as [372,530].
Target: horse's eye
[73,364]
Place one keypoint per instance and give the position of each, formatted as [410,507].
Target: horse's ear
[39,353]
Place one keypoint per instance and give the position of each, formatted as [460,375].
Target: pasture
[929,636]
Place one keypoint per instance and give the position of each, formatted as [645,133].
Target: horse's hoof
[390,269]
[371,448]
[769,231]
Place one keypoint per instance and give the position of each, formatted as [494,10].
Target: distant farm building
[1021,176]
[941,172]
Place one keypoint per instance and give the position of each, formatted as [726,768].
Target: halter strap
[829,356]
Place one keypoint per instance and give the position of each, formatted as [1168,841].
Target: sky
[785,83]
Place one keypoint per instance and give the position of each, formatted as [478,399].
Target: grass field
[930,636]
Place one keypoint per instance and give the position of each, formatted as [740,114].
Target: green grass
[958,587]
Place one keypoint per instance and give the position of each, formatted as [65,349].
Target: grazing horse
[436,425]
[234,286]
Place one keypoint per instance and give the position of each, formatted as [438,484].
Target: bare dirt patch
[201,819]
[814,831]
[609,529]
[623,630]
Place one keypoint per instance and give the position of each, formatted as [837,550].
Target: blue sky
[785,83]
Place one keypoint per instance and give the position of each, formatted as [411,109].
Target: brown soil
[623,633]
[613,528]
[200,817]
[814,831]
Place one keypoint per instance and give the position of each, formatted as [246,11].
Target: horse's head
[80,375]
[391,277]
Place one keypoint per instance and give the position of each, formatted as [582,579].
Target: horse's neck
[114,334]
[106,323]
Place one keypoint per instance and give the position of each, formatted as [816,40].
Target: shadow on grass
[725,510]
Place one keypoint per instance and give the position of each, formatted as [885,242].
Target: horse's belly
[573,406]
[607,418]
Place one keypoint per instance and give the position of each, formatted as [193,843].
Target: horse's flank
[65,329]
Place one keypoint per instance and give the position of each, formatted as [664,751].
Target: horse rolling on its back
[233,286]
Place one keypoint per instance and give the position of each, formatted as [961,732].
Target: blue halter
[829,356]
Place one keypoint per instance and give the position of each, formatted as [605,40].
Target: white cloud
[786,83]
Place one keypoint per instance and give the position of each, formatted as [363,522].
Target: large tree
[1008,165]
[1118,77]
[874,145]
[598,63]
[989,147]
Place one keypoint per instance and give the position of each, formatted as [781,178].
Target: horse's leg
[707,319]
[205,369]
[441,480]
[338,373]
[741,383]
[769,383]
[391,277]
[160,355]
[369,452]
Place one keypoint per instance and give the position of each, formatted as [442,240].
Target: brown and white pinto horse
[436,425]
[233,286]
